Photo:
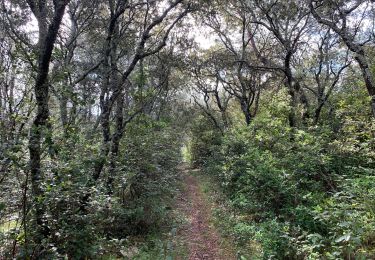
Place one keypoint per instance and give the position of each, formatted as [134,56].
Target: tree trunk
[293,106]
[318,111]
[246,111]
[64,111]
[366,74]
[295,92]
[116,142]
[47,38]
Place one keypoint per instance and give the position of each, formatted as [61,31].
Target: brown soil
[198,235]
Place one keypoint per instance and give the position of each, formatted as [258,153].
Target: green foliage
[302,193]
[205,140]
[144,180]
[350,216]
[143,189]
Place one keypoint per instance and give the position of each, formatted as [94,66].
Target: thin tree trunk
[116,142]
[64,111]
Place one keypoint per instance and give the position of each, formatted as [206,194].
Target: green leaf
[2,206]
[344,238]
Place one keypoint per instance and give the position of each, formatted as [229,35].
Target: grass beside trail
[225,219]
[166,244]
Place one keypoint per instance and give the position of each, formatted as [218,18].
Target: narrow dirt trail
[198,235]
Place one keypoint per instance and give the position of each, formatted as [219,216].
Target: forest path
[198,235]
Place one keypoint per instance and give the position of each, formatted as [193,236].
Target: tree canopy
[101,102]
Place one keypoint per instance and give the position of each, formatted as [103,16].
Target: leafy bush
[205,141]
[145,182]
[307,193]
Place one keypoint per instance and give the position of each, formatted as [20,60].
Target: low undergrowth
[292,193]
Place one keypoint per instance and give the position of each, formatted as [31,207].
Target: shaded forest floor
[197,234]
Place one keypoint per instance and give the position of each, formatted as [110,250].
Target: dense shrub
[306,193]
[205,141]
[145,178]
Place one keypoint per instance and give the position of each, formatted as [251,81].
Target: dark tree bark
[246,111]
[119,127]
[222,104]
[47,37]
[295,91]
